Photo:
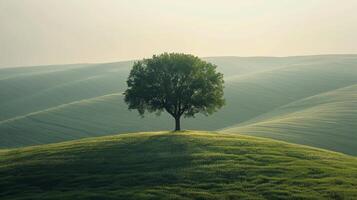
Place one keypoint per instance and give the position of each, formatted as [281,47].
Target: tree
[180,84]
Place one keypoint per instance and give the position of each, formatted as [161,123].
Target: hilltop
[308,100]
[180,165]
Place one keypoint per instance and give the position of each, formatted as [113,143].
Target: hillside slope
[183,165]
[326,120]
[40,105]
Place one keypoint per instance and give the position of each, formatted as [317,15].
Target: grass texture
[176,165]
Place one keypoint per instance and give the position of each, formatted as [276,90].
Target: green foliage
[180,84]
[179,165]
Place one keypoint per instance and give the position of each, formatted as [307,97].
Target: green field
[306,100]
[326,120]
[181,165]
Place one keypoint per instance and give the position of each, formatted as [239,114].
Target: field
[181,165]
[307,100]
[326,120]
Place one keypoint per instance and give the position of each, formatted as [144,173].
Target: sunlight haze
[37,32]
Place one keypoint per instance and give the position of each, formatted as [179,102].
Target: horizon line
[203,57]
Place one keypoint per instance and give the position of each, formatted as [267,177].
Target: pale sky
[39,32]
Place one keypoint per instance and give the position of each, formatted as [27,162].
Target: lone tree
[180,84]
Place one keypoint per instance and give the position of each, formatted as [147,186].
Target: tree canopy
[180,84]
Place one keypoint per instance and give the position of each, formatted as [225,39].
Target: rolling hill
[266,96]
[180,165]
[326,120]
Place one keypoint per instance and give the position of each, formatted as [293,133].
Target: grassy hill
[47,104]
[181,165]
[326,120]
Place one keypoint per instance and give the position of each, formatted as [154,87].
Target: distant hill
[277,97]
[184,165]
[327,120]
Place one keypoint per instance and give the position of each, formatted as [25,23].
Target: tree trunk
[177,124]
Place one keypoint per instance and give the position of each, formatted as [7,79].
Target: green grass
[48,104]
[326,120]
[181,165]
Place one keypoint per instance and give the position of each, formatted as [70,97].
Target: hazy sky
[34,32]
